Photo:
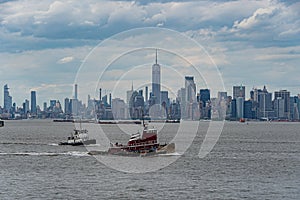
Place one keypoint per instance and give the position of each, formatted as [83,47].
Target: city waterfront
[254,160]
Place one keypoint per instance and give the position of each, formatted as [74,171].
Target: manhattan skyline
[253,45]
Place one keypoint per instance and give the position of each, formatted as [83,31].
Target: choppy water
[250,161]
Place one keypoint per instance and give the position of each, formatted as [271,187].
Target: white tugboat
[79,137]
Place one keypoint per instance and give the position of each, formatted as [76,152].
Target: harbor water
[254,160]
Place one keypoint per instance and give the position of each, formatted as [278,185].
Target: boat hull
[79,143]
[122,151]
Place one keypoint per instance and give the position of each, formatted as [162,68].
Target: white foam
[53,144]
[171,154]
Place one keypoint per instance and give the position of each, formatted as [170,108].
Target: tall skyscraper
[76,92]
[238,91]
[156,81]
[233,109]
[248,109]
[190,89]
[67,106]
[264,103]
[164,98]
[294,112]
[285,95]
[240,107]
[118,108]
[52,103]
[279,107]
[146,93]
[45,107]
[33,102]
[74,108]
[7,99]
[26,106]
[129,94]
[204,96]
[100,94]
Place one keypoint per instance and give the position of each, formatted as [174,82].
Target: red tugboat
[144,143]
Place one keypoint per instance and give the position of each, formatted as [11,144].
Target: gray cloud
[93,20]
[36,35]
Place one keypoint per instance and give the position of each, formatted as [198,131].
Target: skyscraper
[33,102]
[7,99]
[164,97]
[26,106]
[240,107]
[190,89]
[248,109]
[264,103]
[156,81]
[279,107]
[67,106]
[76,92]
[129,94]
[204,96]
[205,102]
[238,91]
[146,93]
[285,95]
[222,96]
[45,107]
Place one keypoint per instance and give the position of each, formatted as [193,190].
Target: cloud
[260,16]
[44,42]
[65,60]
[55,24]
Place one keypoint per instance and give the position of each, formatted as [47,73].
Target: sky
[48,46]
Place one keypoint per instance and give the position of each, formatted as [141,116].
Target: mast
[143,118]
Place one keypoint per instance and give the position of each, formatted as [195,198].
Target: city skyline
[252,45]
[33,96]
[197,90]
[187,93]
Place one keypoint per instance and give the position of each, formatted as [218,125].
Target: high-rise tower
[285,96]
[238,91]
[7,99]
[190,89]
[76,91]
[33,102]
[156,80]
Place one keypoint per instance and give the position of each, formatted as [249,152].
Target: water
[258,160]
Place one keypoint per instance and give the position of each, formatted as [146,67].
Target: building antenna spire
[156,57]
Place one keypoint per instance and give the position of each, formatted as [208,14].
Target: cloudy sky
[44,45]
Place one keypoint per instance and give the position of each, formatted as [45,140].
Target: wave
[21,143]
[53,144]
[27,143]
[170,154]
[70,153]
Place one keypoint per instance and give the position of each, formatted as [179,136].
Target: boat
[79,137]
[140,144]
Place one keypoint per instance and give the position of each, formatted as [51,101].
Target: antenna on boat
[80,124]
[143,118]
